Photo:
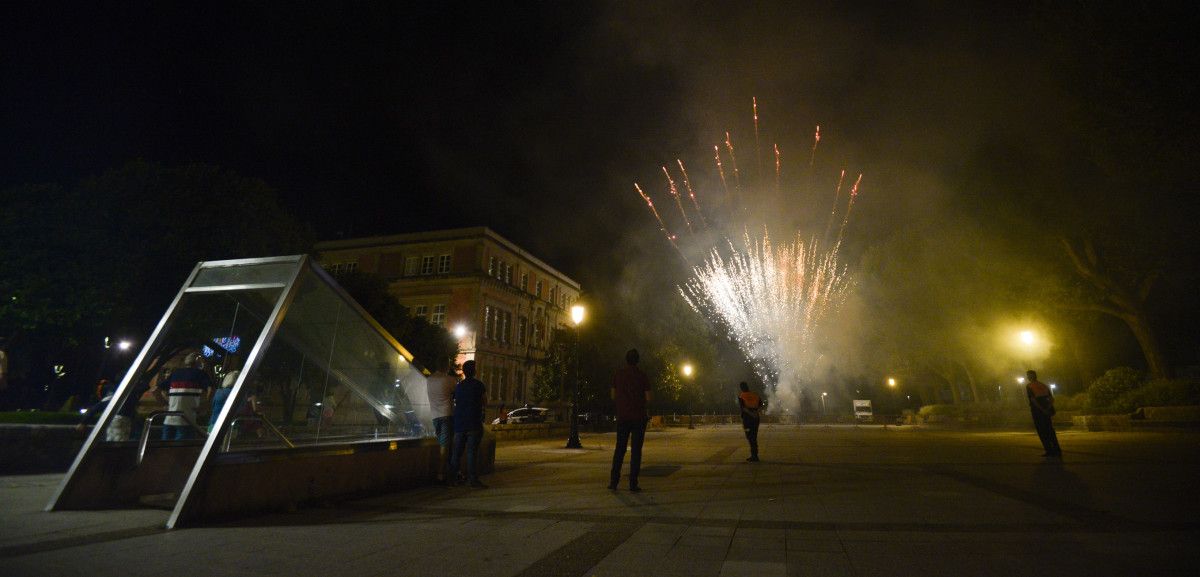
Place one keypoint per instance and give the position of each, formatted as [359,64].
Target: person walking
[1041,406]
[631,391]
[468,424]
[441,407]
[750,403]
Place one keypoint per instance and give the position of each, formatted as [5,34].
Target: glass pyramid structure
[280,358]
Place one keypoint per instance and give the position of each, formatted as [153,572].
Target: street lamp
[891,382]
[687,370]
[460,331]
[578,312]
[823,395]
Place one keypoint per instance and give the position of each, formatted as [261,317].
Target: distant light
[824,394]
[577,314]
[1053,386]
[388,407]
[460,331]
[891,382]
[124,345]
[1028,338]
[688,369]
[82,411]
[1021,380]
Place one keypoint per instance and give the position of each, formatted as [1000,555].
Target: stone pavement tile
[704,542]
[682,566]
[658,533]
[753,569]
[746,552]
[802,544]
[718,530]
[761,535]
[633,555]
[823,564]
[708,550]
[759,544]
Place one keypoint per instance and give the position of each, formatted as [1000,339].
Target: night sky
[536,118]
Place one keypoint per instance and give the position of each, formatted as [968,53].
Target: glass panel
[215,331]
[267,273]
[329,377]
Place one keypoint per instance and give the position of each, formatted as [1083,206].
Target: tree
[105,256]
[427,342]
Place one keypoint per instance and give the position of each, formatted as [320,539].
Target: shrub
[940,410]
[1109,393]
[1164,393]
[1076,402]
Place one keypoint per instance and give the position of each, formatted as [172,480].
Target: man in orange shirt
[1041,406]
[750,404]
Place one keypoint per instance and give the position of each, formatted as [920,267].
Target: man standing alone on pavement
[1041,406]
[468,424]
[631,391]
[750,403]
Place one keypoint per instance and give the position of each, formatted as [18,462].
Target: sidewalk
[824,501]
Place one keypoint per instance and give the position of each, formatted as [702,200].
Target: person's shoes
[635,489]
[752,458]
[477,485]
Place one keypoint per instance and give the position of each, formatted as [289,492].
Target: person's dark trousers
[469,439]
[628,431]
[750,426]
[1045,430]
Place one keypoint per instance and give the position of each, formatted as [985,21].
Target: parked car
[525,415]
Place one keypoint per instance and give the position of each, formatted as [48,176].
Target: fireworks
[771,299]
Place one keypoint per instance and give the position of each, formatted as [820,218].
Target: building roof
[478,232]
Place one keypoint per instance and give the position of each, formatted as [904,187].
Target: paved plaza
[823,501]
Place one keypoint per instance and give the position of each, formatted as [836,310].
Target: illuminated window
[412,266]
[522,329]
[439,315]
[427,265]
[537,291]
[420,311]
[492,266]
[443,264]
[507,274]
[525,282]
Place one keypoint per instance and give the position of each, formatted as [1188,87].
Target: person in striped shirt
[187,387]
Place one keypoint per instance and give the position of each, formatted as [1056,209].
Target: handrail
[145,440]
[258,417]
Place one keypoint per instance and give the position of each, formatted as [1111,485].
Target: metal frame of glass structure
[308,334]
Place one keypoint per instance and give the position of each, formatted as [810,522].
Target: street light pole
[577,314]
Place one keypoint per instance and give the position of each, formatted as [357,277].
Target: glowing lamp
[577,314]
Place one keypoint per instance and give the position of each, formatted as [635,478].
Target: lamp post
[823,395]
[577,315]
[688,370]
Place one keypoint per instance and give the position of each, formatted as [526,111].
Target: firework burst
[771,299]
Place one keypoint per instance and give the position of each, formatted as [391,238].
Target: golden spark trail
[661,225]
[816,140]
[721,171]
[849,207]
[757,148]
[737,179]
[778,169]
[837,195]
[675,194]
[692,194]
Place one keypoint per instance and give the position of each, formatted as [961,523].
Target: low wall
[514,432]
[26,449]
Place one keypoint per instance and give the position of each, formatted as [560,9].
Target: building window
[420,311]
[342,268]
[525,282]
[443,264]
[522,328]
[412,266]
[505,326]
[439,315]
[537,291]
[492,266]
[427,265]
[553,295]
[487,321]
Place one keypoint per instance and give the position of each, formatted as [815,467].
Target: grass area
[39,418]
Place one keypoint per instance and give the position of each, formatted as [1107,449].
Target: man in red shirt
[750,403]
[1041,406]
[631,391]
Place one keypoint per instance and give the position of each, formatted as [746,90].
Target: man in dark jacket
[468,423]
[631,391]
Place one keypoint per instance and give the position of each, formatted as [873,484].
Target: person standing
[187,387]
[440,388]
[1041,406]
[750,403]
[631,391]
[468,424]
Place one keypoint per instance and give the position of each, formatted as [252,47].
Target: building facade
[501,302]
